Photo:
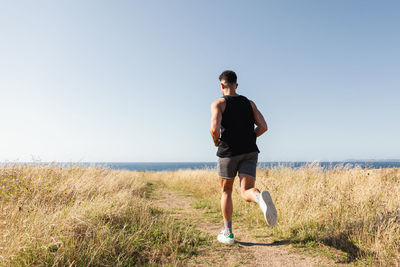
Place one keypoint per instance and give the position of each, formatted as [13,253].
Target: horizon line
[347,160]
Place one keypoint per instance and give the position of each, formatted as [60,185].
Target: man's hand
[216,141]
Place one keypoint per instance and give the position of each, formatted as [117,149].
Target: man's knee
[226,189]
[226,185]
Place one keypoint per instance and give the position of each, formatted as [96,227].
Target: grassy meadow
[53,216]
[355,210]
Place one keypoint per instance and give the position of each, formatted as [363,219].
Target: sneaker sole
[271,214]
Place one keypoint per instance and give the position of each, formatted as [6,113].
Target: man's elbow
[263,128]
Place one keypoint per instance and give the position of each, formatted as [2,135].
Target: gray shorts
[243,163]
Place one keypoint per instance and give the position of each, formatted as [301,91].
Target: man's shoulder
[219,102]
[245,98]
[251,102]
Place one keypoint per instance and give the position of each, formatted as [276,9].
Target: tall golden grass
[52,216]
[356,210]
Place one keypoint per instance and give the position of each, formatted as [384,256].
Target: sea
[174,166]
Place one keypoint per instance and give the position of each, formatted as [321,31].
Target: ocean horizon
[174,166]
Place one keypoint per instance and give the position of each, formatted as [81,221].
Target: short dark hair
[229,76]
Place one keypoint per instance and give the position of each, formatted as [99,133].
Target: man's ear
[237,86]
[222,86]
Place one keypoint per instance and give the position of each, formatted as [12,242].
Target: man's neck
[229,92]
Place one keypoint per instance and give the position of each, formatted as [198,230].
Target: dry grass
[52,216]
[356,210]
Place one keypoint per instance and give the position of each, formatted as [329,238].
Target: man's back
[237,127]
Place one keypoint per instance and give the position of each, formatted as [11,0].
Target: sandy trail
[248,251]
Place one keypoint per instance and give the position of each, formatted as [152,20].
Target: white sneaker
[268,208]
[226,239]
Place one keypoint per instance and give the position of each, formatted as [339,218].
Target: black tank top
[237,128]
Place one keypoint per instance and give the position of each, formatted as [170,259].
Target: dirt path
[248,251]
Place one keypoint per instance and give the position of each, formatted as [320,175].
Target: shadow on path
[274,244]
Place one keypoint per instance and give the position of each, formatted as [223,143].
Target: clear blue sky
[134,80]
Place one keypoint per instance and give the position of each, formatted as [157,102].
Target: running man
[232,130]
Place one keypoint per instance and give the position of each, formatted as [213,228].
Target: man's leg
[226,198]
[264,200]
[226,235]
[227,167]
[247,189]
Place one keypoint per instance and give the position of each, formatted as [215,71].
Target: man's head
[228,79]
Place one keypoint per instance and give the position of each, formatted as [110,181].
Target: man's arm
[259,120]
[216,117]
